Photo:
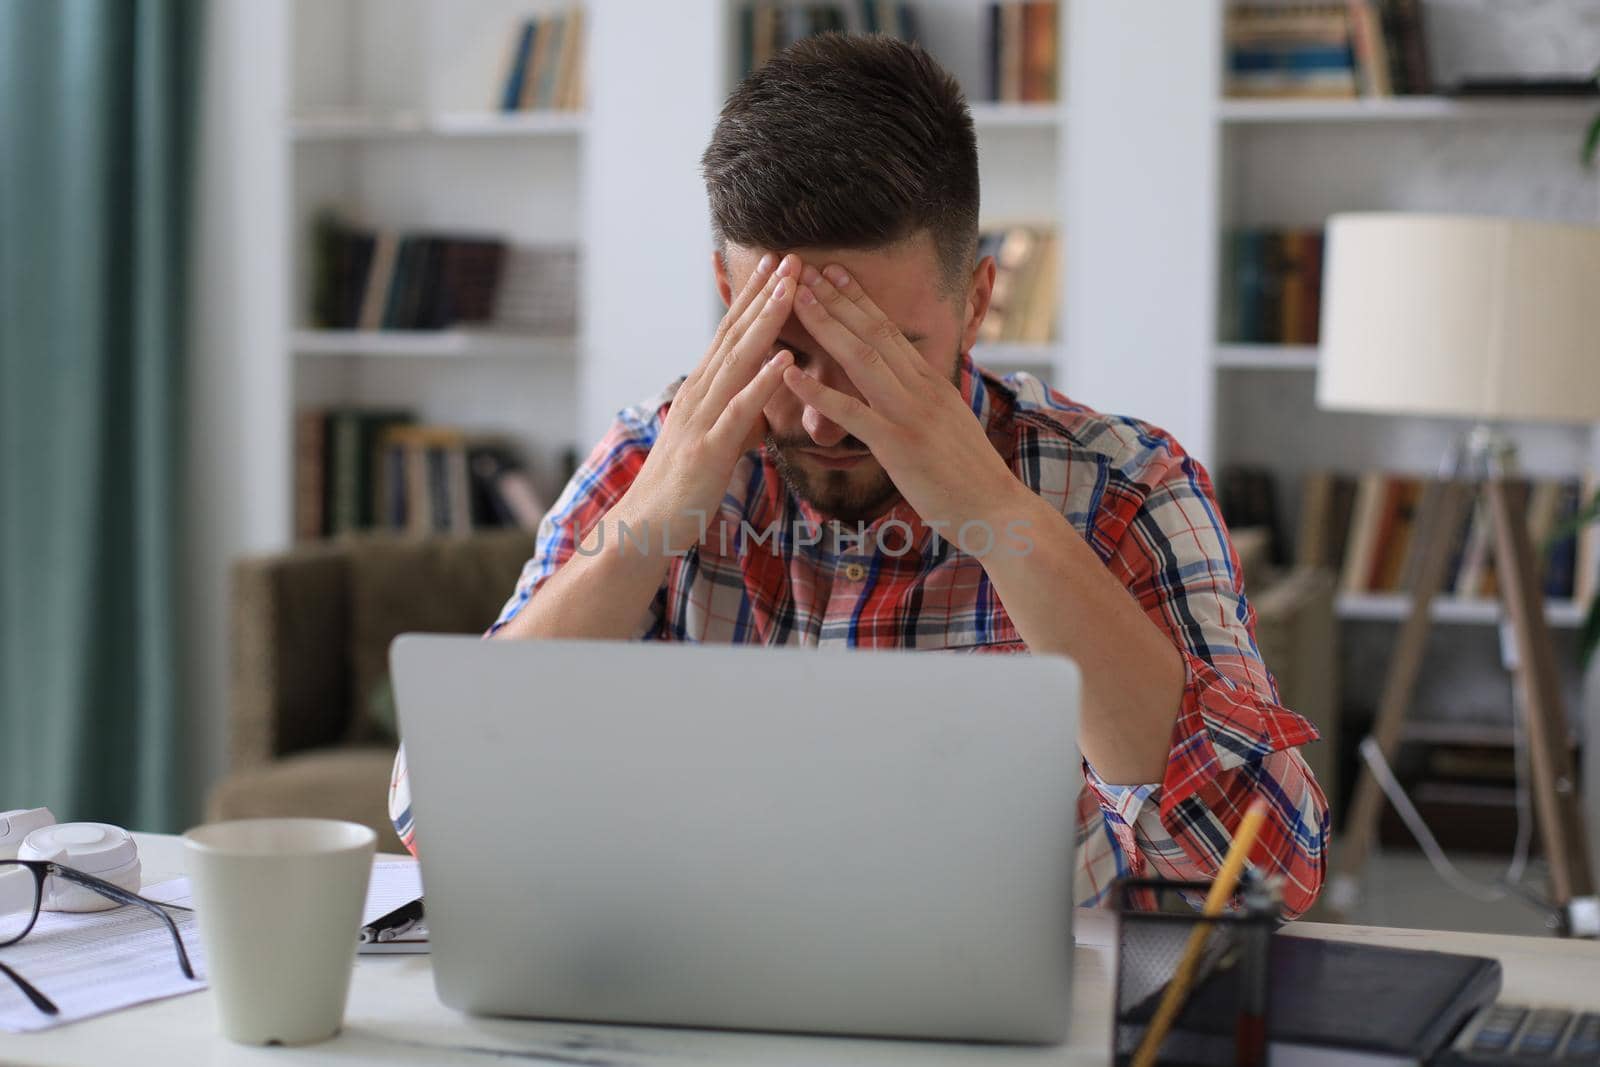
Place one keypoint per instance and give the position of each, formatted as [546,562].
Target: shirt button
[854,571]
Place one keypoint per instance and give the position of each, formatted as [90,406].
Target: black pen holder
[1224,1016]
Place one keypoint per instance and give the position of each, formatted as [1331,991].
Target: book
[1363,537]
[993,28]
[502,491]
[511,94]
[1401,495]
[351,467]
[1342,1002]
[1586,559]
[1408,37]
[1010,45]
[1562,553]
[1340,511]
[1295,51]
[1272,285]
[375,297]
[1311,548]
[1025,298]
[310,469]
[1420,530]
[404,281]
[766,28]
[1040,56]
[1247,496]
[538,61]
[544,64]
[560,94]
[1371,49]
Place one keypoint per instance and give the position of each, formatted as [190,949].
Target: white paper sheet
[394,882]
[99,962]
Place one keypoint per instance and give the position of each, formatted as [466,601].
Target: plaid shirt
[771,571]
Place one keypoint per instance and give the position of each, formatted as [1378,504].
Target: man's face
[823,464]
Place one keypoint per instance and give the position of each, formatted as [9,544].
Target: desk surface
[394,1017]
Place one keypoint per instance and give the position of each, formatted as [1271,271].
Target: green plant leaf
[1589,639]
[1591,142]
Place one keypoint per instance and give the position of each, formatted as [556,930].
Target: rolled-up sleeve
[1231,741]
[591,492]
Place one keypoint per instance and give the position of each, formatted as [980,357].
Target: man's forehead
[904,275]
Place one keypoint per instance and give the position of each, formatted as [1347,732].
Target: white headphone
[107,852]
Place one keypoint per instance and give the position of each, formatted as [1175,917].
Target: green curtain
[97,115]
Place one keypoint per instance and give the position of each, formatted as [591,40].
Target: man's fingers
[755,286]
[857,418]
[869,322]
[824,312]
[739,414]
[752,339]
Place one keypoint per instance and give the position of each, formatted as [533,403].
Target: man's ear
[980,291]
[720,269]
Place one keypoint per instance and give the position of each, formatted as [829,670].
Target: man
[835,470]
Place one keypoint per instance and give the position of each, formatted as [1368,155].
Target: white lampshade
[1483,318]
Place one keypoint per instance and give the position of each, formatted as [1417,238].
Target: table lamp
[1492,320]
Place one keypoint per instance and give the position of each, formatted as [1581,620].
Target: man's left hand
[912,417]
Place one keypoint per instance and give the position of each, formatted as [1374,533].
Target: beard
[851,496]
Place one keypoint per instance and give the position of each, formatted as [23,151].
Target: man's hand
[911,416]
[715,416]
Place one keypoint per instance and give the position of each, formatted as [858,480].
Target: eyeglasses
[20,898]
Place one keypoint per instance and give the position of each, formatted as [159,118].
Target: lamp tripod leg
[1361,821]
[1557,807]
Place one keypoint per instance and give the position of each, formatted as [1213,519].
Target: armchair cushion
[443,585]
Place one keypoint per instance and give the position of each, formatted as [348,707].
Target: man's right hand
[604,591]
[715,415]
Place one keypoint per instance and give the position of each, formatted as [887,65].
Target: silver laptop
[772,839]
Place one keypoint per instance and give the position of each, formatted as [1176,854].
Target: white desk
[393,1016]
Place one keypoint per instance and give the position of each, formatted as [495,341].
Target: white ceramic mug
[279,905]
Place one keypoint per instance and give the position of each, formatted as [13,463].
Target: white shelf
[1267,357]
[342,125]
[987,115]
[1408,109]
[1563,614]
[446,344]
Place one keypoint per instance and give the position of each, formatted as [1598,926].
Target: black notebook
[1339,1002]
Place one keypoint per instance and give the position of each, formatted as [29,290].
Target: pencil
[1221,892]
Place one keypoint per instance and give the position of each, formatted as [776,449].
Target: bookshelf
[439,344]
[1266,357]
[394,123]
[390,111]
[1374,607]
[1294,162]
[335,125]
[1407,109]
[390,117]
[1164,167]
[991,116]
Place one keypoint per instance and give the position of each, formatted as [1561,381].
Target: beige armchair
[311,715]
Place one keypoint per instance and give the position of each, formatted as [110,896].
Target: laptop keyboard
[1516,1034]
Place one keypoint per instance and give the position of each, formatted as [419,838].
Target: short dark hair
[847,141]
